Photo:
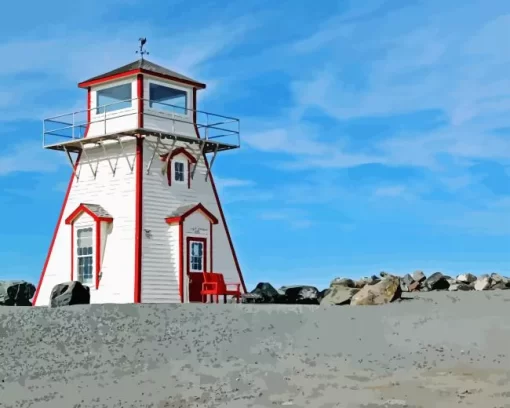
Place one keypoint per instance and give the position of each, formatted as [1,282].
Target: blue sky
[375,133]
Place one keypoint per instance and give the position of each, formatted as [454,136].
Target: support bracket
[72,162]
[153,154]
[164,169]
[212,162]
[201,147]
[131,166]
[84,152]
[113,168]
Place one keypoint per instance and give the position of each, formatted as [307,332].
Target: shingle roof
[98,210]
[181,210]
[147,66]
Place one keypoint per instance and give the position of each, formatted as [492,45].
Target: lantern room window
[114,98]
[167,99]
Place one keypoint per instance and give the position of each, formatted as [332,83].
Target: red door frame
[189,240]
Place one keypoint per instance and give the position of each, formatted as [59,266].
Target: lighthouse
[141,221]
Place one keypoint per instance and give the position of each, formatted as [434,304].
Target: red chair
[215,285]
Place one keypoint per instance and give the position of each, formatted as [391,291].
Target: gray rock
[405,282]
[497,279]
[499,286]
[460,286]
[466,278]
[381,293]
[70,293]
[343,282]
[437,281]
[301,294]
[16,293]
[419,276]
[483,283]
[267,292]
[339,295]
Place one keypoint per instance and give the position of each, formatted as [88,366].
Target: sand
[438,350]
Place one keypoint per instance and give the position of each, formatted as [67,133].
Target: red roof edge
[198,207]
[83,209]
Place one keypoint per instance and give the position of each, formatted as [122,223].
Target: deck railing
[172,119]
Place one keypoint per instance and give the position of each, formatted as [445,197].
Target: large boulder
[343,282]
[460,286]
[16,293]
[381,293]
[466,278]
[301,294]
[499,281]
[405,282]
[483,283]
[267,293]
[419,276]
[339,295]
[437,281]
[70,293]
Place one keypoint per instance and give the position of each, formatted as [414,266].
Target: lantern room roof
[141,66]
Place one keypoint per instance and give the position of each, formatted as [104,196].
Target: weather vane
[141,51]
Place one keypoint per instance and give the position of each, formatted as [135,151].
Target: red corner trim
[83,209]
[229,238]
[132,72]
[98,252]
[199,207]
[138,220]
[72,254]
[181,261]
[211,267]
[64,204]
[139,85]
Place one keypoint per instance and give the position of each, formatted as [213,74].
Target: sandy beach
[439,349]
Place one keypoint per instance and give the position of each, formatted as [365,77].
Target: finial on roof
[141,51]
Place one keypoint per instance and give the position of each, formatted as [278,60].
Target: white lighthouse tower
[141,220]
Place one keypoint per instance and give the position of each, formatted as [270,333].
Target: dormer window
[179,171]
[179,166]
[168,99]
[114,98]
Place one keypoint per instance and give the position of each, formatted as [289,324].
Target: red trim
[204,264]
[229,238]
[132,72]
[72,254]
[183,151]
[98,252]
[198,207]
[211,268]
[181,261]
[61,215]
[139,84]
[83,209]
[138,220]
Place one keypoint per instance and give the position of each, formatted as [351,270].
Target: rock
[343,282]
[483,283]
[16,293]
[383,274]
[323,294]
[460,286]
[436,281]
[70,293]
[405,282]
[300,294]
[267,293]
[339,295]
[251,298]
[381,293]
[499,286]
[419,276]
[498,279]
[414,287]
[466,278]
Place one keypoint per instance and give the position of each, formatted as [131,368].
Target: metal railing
[171,119]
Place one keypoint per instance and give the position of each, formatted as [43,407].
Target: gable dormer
[178,166]
[141,95]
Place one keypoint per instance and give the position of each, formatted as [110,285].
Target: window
[168,99]
[179,171]
[84,254]
[197,256]
[116,98]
